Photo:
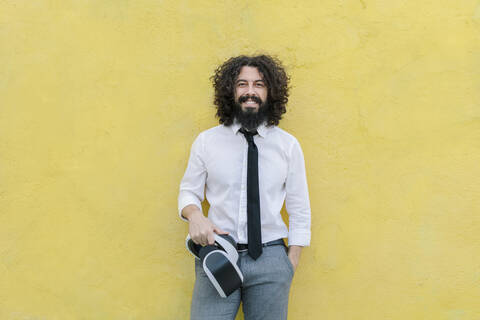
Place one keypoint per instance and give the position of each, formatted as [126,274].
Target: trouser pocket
[288,262]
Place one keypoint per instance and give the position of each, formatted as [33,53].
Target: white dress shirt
[218,162]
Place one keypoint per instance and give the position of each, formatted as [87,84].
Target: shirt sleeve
[192,186]
[297,200]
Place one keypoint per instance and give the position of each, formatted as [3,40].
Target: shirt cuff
[299,238]
[185,200]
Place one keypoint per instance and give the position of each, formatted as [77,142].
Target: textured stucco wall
[101,100]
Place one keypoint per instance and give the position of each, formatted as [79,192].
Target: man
[248,167]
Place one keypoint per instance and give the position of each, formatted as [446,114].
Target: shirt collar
[262,129]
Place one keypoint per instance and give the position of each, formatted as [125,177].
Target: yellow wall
[101,100]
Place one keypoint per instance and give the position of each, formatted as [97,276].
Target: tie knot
[248,134]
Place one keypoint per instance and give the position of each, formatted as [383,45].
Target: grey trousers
[266,285]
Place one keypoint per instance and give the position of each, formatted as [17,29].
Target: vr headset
[220,263]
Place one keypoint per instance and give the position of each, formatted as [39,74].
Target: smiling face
[250,89]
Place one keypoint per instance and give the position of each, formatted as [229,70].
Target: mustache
[244,98]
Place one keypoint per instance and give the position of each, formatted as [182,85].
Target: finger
[219,231]
[211,238]
[197,240]
[204,241]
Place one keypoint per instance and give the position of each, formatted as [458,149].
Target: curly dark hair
[274,75]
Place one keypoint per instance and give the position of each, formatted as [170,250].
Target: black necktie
[253,199]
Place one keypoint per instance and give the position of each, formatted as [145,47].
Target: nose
[251,90]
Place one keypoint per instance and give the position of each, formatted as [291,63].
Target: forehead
[249,74]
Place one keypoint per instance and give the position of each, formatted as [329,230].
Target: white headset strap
[188,248]
[228,247]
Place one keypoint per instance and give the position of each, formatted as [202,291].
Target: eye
[241,84]
[260,84]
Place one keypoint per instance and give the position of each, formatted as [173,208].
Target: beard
[250,119]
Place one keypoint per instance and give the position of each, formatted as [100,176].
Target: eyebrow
[243,80]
